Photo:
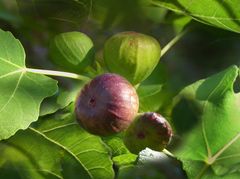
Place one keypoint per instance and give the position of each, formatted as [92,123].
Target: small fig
[132,55]
[72,51]
[148,130]
[106,105]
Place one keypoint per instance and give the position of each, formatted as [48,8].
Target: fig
[148,130]
[106,105]
[132,55]
[72,51]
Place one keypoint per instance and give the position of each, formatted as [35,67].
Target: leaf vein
[228,157]
[203,125]
[58,127]
[11,73]
[90,150]
[63,147]
[225,147]
[14,92]
[9,62]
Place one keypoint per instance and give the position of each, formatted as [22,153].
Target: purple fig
[148,130]
[107,105]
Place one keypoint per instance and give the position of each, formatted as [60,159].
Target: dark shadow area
[185,115]
[236,86]
[74,11]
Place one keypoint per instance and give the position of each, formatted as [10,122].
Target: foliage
[195,86]
[217,134]
[219,13]
[21,91]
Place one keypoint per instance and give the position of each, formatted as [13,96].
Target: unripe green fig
[106,105]
[72,51]
[132,55]
[148,130]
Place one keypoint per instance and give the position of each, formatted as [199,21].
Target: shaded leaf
[115,143]
[148,90]
[60,100]
[146,95]
[154,97]
[70,11]
[125,159]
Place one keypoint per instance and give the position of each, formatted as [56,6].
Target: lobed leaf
[55,148]
[21,92]
[211,148]
[30,154]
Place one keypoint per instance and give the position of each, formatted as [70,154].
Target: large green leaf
[55,148]
[211,148]
[21,92]
[31,155]
[89,149]
[223,14]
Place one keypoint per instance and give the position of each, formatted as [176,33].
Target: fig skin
[148,130]
[132,55]
[106,105]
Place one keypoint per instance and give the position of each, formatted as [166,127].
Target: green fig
[72,51]
[148,130]
[132,55]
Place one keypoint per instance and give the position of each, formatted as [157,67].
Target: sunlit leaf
[21,92]
[223,14]
[211,148]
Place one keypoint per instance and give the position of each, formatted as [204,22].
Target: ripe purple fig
[107,105]
[148,130]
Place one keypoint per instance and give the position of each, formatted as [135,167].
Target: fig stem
[167,152]
[136,86]
[173,42]
[58,73]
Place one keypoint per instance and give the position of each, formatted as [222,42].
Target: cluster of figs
[109,103]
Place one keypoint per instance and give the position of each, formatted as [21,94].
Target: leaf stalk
[173,42]
[58,73]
